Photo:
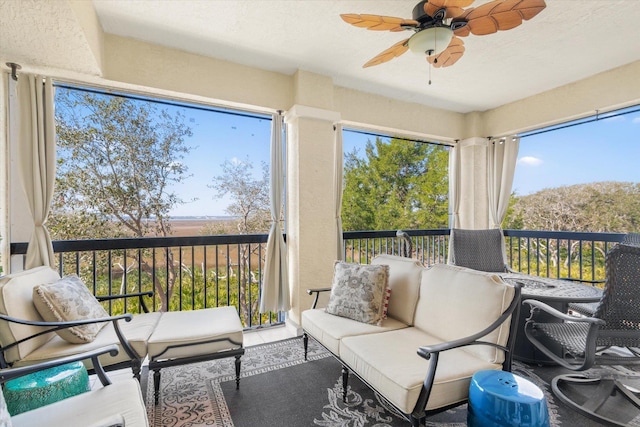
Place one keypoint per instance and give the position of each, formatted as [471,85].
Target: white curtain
[37,161]
[503,155]
[275,284]
[454,190]
[338,173]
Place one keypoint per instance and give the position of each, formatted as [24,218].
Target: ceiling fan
[439,24]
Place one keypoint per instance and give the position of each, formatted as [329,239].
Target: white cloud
[530,161]
[636,120]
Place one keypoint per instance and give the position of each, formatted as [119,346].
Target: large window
[136,166]
[393,183]
[580,176]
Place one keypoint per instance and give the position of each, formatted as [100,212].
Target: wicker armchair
[405,247]
[478,249]
[610,337]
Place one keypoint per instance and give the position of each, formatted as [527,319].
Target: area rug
[279,389]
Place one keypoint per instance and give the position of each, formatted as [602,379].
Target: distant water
[203,218]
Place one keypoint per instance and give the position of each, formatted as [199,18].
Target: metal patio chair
[610,337]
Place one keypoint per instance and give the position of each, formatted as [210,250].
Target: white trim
[304,111]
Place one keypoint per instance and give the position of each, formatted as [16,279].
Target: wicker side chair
[482,249]
[610,337]
[405,246]
[589,308]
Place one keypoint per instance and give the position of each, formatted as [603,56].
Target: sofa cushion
[68,299]
[94,408]
[404,282]
[390,364]
[329,329]
[456,302]
[358,291]
[16,293]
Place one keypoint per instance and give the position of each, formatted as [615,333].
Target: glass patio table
[556,293]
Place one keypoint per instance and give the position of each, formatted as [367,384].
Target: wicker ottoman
[182,337]
[44,387]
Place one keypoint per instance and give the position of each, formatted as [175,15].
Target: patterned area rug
[279,389]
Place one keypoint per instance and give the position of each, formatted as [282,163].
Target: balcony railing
[189,273]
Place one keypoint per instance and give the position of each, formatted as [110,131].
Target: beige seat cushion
[456,302]
[329,329]
[192,333]
[16,292]
[137,332]
[390,364]
[404,282]
[94,408]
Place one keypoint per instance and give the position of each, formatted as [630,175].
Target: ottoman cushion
[191,333]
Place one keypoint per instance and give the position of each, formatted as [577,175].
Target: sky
[218,137]
[604,150]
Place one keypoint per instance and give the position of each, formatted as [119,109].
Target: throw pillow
[66,300]
[358,291]
[385,303]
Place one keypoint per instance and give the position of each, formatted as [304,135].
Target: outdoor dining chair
[478,249]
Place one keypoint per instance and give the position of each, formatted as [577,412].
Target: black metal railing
[185,273]
[189,273]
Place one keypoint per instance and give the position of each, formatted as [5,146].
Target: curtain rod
[400,137]
[14,69]
[162,101]
[577,122]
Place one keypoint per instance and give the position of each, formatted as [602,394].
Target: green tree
[396,185]
[117,160]
[250,205]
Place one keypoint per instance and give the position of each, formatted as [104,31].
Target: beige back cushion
[456,302]
[16,292]
[404,282]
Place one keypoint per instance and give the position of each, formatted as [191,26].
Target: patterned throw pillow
[358,291]
[66,300]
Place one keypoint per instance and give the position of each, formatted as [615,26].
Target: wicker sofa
[422,356]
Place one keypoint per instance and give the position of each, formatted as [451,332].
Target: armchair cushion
[5,417]
[68,299]
[358,291]
[16,301]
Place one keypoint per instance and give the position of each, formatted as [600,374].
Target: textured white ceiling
[568,41]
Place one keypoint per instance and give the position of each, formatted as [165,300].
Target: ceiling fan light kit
[430,41]
[440,24]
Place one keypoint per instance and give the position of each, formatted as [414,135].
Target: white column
[311,235]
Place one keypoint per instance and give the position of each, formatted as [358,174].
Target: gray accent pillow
[358,291]
[66,300]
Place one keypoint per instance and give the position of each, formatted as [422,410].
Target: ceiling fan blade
[498,15]
[387,55]
[454,7]
[450,55]
[378,22]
